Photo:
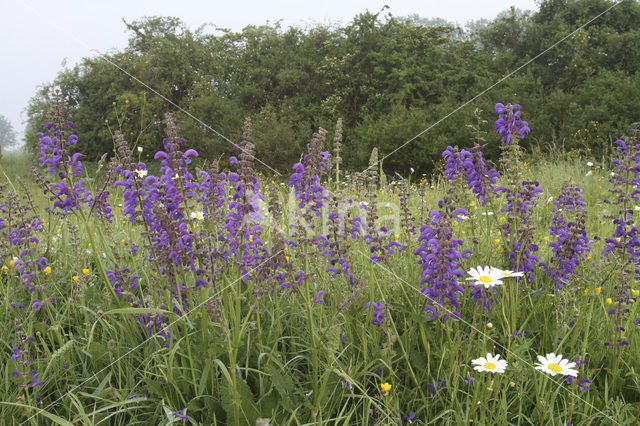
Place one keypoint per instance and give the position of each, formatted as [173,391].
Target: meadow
[200,291]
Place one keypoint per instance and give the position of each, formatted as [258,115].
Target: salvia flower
[440,259]
[509,123]
[570,243]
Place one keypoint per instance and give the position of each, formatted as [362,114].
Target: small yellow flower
[618,239]
[251,238]
[386,387]
[586,291]
[497,240]
[5,269]
[636,293]
[609,301]
[86,271]
[489,325]
[512,384]
[122,241]
[287,257]
[473,204]
[588,257]
[546,238]
[89,245]
[12,262]
[47,270]
[598,290]
[75,278]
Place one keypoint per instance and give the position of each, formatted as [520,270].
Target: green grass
[263,352]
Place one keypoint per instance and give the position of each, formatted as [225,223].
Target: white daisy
[487,214]
[590,164]
[491,364]
[140,172]
[197,215]
[554,364]
[485,276]
[504,273]
[139,149]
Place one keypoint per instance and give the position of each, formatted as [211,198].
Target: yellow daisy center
[485,278]
[554,367]
[489,366]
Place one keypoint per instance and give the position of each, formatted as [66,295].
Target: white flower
[487,214]
[590,164]
[504,273]
[491,364]
[589,173]
[197,215]
[462,217]
[411,168]
[139,149]
[550,199]
[554,364]
[485,276]
[141,172]
[613,173]
[177,176]
[636,208]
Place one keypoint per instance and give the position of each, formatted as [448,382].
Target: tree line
[389,78]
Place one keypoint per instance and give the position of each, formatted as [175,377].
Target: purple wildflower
[183,414]
[509,123]
[409,418]
[570,242]
[440,259]
[318,298]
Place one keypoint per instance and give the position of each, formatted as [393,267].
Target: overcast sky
[38,36]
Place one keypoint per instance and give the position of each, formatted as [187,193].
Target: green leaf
[283,384]
[56,419]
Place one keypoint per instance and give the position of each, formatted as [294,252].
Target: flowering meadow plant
[187,289]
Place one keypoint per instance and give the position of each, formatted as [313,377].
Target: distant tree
[7,134]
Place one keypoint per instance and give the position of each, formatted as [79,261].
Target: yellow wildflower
[586,291]
[75,278]
[598,290]
[12,262]
[86,271]
[609,301]
[497,240]
[386,387]
[47,270]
